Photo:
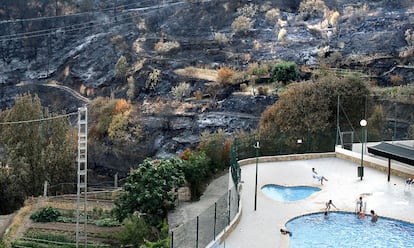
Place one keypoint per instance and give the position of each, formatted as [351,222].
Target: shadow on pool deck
[260,228]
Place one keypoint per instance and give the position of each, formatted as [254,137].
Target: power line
[74,14]
[74,27]
[38,120]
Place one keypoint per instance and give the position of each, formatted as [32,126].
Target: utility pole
[82,187]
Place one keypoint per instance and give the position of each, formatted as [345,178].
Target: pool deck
[260,228]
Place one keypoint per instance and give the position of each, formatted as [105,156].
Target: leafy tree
[376,123]
[121,67]
[217,147]
[196,171]
[312,106]
[24,143]
[134,231]
[59,152]
[102,111]
[284,72]
[150,190]
[11,194]
[37,150]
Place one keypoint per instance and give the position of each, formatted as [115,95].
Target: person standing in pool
[318,177]
[374,216]
[329,204]
[360,208]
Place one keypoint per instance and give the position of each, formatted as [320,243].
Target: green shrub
[64,219]
[134,231]
[284,72]
[121,67]
[47,214]
[196,171]
[107,222]
[49,237]
[163,243]
[216,146]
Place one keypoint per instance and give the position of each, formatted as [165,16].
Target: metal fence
[282,143]
[203,229]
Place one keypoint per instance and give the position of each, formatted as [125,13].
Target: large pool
[294,193]
[345,230]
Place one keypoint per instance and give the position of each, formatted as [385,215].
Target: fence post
[197,232]
[228,218]
[45,189]
[215,219]
[172,239]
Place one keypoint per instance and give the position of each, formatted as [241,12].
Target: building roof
[401,153]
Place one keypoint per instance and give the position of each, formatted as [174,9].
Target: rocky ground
[368,36]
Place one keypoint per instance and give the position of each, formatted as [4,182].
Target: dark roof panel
[396,152]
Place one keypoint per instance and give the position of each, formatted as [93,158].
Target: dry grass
[402,93]
[199,73]
[17,226]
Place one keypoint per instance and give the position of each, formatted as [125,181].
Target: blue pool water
[281,193]
[345,230]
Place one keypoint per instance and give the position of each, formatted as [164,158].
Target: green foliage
[376,125]
[47,214]
[101,111]
[284,72]
[11,195]
[114,119]
[150,190]
[36,151]
[311,106]
[216,147]
[134,231]
[196,170]
[121,67]
[48,237]
[107,222]
[163,243]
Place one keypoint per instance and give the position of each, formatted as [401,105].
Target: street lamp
[363,124]
[257,147]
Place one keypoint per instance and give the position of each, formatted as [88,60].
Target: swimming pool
[345,230]
[294,193]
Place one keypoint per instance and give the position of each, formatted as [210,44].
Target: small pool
[345,230]
[281,193]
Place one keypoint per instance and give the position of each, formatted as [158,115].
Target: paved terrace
[260,228]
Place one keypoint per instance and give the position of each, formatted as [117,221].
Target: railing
[203,229]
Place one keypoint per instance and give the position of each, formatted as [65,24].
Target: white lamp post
[257,147]
[363,124]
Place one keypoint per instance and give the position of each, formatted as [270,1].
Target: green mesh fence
[203,229]
[282,143]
